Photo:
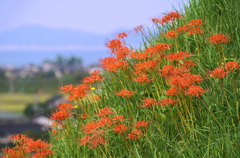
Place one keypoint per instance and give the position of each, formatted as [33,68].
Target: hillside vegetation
[177,95]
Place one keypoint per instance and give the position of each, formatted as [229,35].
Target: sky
[93,16]
[100,18]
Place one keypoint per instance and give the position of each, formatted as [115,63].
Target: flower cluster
[27,147]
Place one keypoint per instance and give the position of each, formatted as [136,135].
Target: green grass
[18,102]
[204,126]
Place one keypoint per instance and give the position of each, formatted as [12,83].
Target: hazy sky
[94,16]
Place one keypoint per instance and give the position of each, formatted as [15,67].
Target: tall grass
[135,113]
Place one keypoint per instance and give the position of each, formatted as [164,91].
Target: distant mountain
[34,44]
[29,35]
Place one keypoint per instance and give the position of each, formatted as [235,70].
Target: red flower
[118,118]
[149,102]
[125,93]
[105,112]
[182,29]
[114,44]
[65,106]
[60,115]
[218,72]
[90,127]
[138,28]
[120,128]
[194,31]
[178,56]
[112,64]
[171,34]
[167,70]
[172,92]
[85,140]
[84,116]
[170,17]
[169,101]
[231,65]
[195,90]
[144,66]
[218,39]
[122,53]
[67,88]
[78,92]
[142,124]
[105,122]
[122,35]
[135,134]
[195,22]
[188,64]
[95,72]
[142,79]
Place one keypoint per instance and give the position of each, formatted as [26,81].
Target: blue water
[20,58]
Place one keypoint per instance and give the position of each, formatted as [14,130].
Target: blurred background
[45,44]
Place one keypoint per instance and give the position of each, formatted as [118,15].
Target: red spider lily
[105,112]
[170,17]
[182,29]
[112,64]
[78,92]
[27,147]
[125,93]
[17,137]
[144,66]
[195,90]
[169,101]
[142,79]
[118,118]
[167,70]
[90,127]
[149,102]
[122,53]
[231,65]
[218,39]
[85,140]
[195,22]
[65,106]
[172,92]
[183,81]
[84,116]
[179,71]
[188,64]
[155,20]
[104,122]
[142,124]
[95,72]
[60,115]
[218,72]
[194,31]
[97,140]
[12,152]
[160,47]
[67,88]
[92,79]
[120,128]
[178,56]
[139,56]
[122,35]
[135,134]
[138,28]
[114,44]
[171,34]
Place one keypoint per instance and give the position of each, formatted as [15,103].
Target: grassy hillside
[177,95]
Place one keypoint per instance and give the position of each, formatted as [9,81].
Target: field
[18,102]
